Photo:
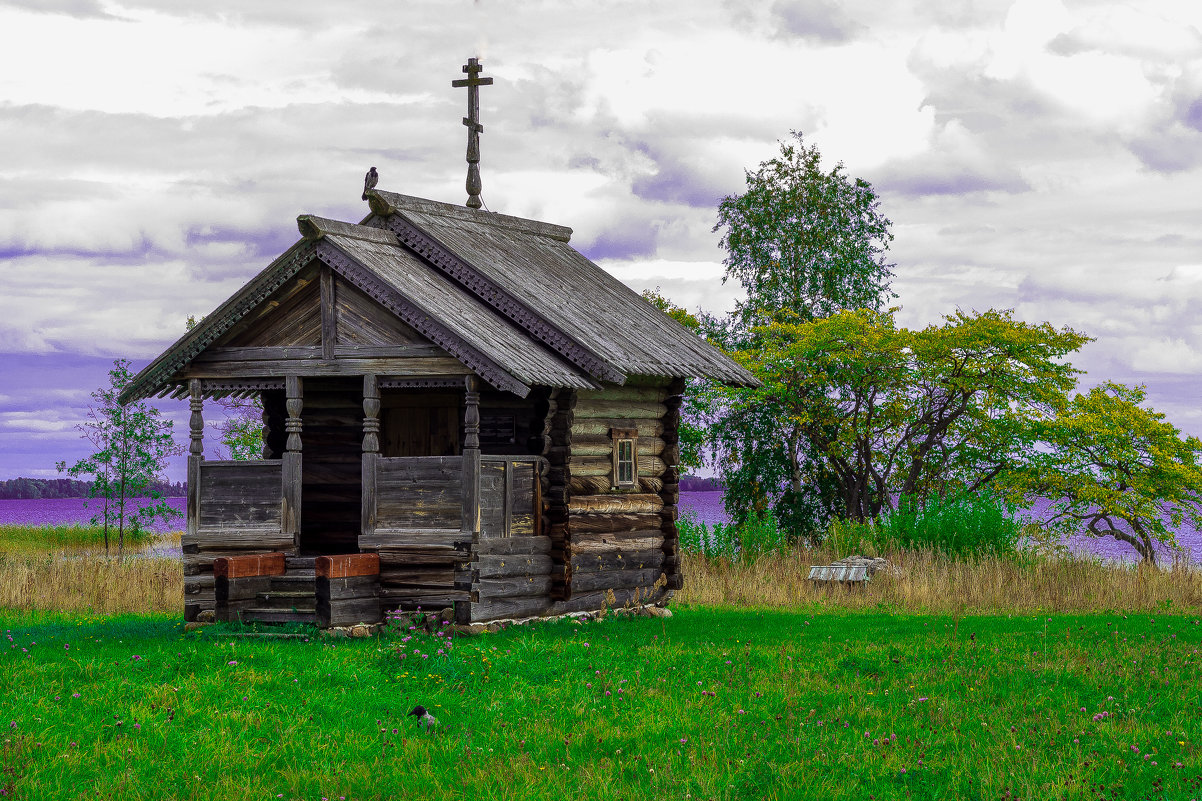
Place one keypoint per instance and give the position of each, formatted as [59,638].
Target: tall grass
[89,582]
[40,539]
[929,582]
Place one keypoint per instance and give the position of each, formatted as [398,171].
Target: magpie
[424,718]
[369,181]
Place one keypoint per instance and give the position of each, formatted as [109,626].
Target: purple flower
[232,662]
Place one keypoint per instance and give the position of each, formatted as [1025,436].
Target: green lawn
[709,704]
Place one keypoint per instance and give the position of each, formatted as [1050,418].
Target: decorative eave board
[343,248]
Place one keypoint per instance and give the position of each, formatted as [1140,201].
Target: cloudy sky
[1038,155]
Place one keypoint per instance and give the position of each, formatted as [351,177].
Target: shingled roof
[506,296]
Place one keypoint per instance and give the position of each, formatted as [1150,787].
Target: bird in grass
[424,718]
[369,181]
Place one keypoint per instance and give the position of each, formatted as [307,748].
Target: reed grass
[22,538]
[83,580]
[929,582]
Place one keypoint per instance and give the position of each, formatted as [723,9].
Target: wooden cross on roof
[473,82]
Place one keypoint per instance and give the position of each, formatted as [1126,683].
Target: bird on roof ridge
[369,181]
[424,718]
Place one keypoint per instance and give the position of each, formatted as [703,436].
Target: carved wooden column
[291,500]
[371,452]
[470,530]
[196,425]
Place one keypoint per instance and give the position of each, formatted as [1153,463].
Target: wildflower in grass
[232,662]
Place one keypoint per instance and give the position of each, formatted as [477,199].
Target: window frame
[617,437]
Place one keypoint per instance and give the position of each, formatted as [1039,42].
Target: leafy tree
[804,243]
[692,430]
[1115,468]
[854,407]
[132,445]
[241,429]
[804,240]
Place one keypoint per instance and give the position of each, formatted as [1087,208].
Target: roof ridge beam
[430,250]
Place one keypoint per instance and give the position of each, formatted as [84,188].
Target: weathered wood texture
[670,494]
[616,539]
[236,513]
[343,601]
[341,566]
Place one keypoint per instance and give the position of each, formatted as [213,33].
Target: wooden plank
[347,565]
[514,546]
[617,559]
[266,564]
[590,601]
[329,331]
[401,557]
[590,523]
[602,445]
[348,366]
[504,565]
[244,538]
[614,392]
[593,409]
[195,585]
[600,427]
[214,355]
[632,503]
[500,608]
[489,589]
[348,612]
[644,540]
[614,580]
[603,466]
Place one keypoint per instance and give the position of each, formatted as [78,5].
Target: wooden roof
[506,297]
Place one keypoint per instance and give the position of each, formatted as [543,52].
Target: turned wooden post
[371,452]
[470,530]
[290,518]
[196,427]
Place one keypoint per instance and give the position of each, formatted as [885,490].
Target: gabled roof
[507,297]
[502,258]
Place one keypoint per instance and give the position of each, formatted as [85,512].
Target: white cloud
[1036,155]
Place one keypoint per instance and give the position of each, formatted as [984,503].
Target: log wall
[237,514]
[620,543]
[419,508]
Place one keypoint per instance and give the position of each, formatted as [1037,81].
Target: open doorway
[331,477]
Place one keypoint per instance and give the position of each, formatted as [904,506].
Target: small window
[625,456]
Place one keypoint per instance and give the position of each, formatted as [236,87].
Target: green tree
[132,444]
[1116,469]
[853,406]
[691,432]
[804,243]
[804,240]
[240,431]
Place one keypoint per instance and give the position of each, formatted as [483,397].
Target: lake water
[705,506]
[65,511]
[708,508]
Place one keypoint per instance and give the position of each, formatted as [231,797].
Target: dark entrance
[331,474]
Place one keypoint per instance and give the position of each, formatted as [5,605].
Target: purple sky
[1038,155]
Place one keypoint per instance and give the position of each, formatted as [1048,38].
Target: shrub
[964,525]
[756,536]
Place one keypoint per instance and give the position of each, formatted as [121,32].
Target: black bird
[424,718]
[369,181]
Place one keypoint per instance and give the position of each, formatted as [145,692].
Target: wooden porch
[427,522]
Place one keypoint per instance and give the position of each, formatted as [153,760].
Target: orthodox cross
[473,82]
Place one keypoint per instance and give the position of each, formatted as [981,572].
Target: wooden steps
[290,598]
